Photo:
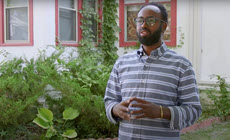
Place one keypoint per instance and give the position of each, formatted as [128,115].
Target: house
[198,29]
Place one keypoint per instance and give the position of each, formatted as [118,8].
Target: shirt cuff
[109,113]
[175,119]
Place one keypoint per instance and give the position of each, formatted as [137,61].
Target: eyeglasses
[150,21]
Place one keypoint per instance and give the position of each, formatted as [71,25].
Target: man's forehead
[152,8]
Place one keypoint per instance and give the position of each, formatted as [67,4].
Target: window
[68,23]
[16,23]
[128,11]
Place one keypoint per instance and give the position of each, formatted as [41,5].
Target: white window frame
[5,22]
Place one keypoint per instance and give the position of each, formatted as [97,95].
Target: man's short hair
[164,13]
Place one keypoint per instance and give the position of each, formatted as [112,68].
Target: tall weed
[221,98]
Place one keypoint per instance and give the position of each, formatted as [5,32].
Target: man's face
[151,37]
[149,34]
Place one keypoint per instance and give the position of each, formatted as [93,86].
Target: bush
[221,98]
[61,83]
[61,80]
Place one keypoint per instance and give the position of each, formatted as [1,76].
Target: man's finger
[137,112]
[124,109]
[124,115]
[127,116]
[131,99]
[126,102]
[138,105]
[140,101]
[139,116]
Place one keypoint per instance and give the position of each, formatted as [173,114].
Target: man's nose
[144,25]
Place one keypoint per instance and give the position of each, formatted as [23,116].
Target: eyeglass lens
[150,21]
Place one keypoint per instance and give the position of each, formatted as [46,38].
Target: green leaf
[70,133]
[50,132]
[40,122]
[70,114]
[60,121]
[45,114]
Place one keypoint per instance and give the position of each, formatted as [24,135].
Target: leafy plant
[109,28]
[45,120]
[3,53]
[19,90]
[79,80]
[181,39]
[221,98]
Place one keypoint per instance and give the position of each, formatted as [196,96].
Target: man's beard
[152,38]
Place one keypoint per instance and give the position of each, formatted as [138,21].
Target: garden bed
[203,124]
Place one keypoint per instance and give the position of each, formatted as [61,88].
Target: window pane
[17,24]
[11,3]
[67,23]
[134,1]
[130,25]
[66,3]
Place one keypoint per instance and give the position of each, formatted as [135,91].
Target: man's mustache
[144,29]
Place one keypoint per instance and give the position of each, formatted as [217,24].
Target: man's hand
[147,109]
[121,110]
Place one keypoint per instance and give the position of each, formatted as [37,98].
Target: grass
[216,132]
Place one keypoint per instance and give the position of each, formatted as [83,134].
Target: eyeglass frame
[144,19]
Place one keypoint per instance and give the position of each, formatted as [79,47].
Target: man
[152,92]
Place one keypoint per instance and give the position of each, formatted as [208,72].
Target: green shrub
[59,80]
[78,86]
[19,90]
[221,98]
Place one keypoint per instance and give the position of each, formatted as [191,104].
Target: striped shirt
[164,78]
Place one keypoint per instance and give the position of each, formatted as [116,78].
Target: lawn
[216,132]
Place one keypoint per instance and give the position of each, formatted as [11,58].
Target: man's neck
[149,49]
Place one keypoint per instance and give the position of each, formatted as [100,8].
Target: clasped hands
[147,109]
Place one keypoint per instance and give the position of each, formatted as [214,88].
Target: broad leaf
[70,133]
[50,132]
[70,114]
[45,114]
[40,122]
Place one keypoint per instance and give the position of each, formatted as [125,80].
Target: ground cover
[214,132]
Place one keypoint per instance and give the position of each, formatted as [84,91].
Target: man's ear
[164,26]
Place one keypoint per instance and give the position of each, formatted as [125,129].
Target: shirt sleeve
[112,94]
[188,109]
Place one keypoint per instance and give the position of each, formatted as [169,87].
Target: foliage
[221,98]
[88,17]
[3,53]
[45,120]
[18,91]
[109,28]
[181,39]
[207,105]
[106,51]
[215,132]
[56,82]
[59,79]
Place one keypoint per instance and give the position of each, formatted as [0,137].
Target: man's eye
[139,20]
[151,20]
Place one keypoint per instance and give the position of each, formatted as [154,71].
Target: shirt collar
[155,53]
